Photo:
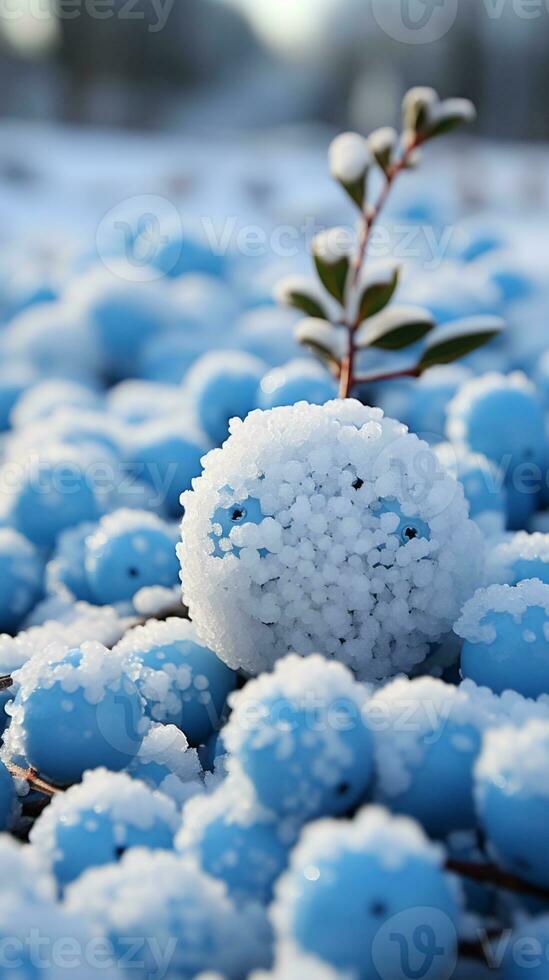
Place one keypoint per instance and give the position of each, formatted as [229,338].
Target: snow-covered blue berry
[182,682]
[427,738]
[75,709]
[428,399]
[223,385]
[97,821]
[184,913]
[370,898]
[505,630]
[54,491]
[501,417]
[166,455]
[301,380]
[22,575]
[166,762]
[517,557]
[483,483]
[129,551]
[234,841]
[300,738]
[512,791]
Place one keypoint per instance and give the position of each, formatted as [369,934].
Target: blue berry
[366,896]
[97,821]
[75,709]
[299,380]
[305,747]
[182,682]
[56,491]
[165,762]
[223,385]
[511,797]
[159,895]
[428,399]
[427,739]
[233,842]
[505,638]
[129,551]
[501,417]
[167,456]
[21,574]
[123,314]
[66,571]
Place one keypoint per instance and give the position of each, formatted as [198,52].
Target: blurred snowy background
[82,81]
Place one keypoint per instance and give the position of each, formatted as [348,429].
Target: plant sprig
[347,311]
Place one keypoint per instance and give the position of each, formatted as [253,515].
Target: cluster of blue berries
[339,765]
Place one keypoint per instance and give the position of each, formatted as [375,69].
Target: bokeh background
[175,64]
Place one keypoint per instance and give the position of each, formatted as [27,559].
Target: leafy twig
[361,319]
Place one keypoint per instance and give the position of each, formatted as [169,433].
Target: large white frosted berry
[326,529]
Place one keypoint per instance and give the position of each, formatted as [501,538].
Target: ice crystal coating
[329,529]
[166,762]
[515,759]
[410,715]
[478,626]
[519,557]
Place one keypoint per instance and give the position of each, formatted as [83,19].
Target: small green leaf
[415,107]
[323,339]
[331,254]
[349,163]
[395,328]
[448,115]
[382,143]
[459,338]
[301,294]
[377,295]
[333,276]
[356,190]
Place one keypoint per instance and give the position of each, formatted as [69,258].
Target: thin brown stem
[370,216]
[490,874]
[33,779]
